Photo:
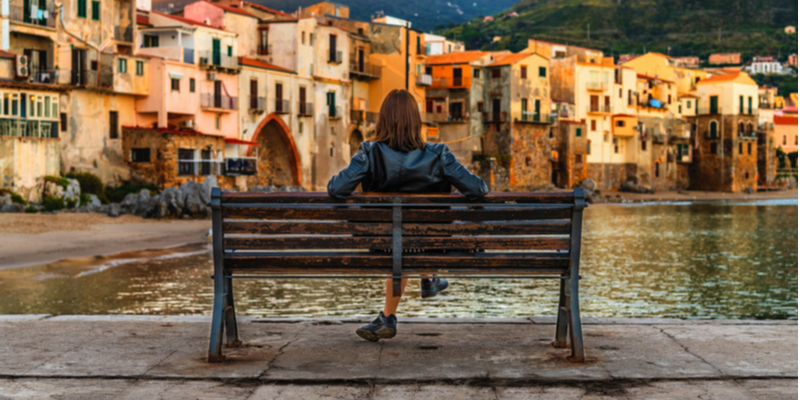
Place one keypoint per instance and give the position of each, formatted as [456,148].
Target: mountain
[423,14]
[677,27]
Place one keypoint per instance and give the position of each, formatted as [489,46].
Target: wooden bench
[311,235]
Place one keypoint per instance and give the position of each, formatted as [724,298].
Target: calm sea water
[692,260]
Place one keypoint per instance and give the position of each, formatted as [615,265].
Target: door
[361,60]
[524,106]
[279,97]
[217,94]
[594,102]
[496,109]
[205,166]
[253,94]
[607,105]
[457,77]
[712,109]
[78,65]
[332,47]
[455,111]
[216,52]
[303,108]
[331,104]
[536,110]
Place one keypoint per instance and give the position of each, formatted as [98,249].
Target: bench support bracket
[397,245]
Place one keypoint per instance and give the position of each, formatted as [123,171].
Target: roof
[239,141]
[267,9]
[143,20]
[652,78]
[784,120]
[508,59]
[231,9]
[682,95]
[171,130]
[727,77]
[623,115]
[459,57]
[187,21]
[7,54]
[251,62]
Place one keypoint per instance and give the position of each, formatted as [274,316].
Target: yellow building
[664,67]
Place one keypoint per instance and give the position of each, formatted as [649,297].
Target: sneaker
[431,287]
[382,327]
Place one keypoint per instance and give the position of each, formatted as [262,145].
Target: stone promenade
[152,357]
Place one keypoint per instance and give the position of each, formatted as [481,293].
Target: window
[784,140]
[428,106]
[749,149]
[176,85]
[616,146]
[680,108]
[669,99]
[495,72]
[621,123]
[300,127]
[741,148]
[185,162]
[303,37]
[594,125]
[113,122]
[543,72]
[523,72]
[657,170]
[577,132]
[264,46]
[332,49]
[630,97]
[63,122]
[750,105]
[476,73]
[741,104]
[712,129]
[620,93]
[81,8]
[480,106]
[712,149]
[139,68]
[122,66]
[311,39]
[150,41]
[230,51]
[644,145]
[95,10]
[578,159]
[140,155]
[588,147]
[191,85]
[419,45]
[217,123]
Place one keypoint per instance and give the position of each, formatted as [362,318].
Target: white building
[436,44]
[764,65]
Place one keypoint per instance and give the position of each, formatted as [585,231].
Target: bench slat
[373,198]
[361,262]
[384,215]
[409,242]
[409,229]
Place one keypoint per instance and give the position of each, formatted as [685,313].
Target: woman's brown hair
[399,124]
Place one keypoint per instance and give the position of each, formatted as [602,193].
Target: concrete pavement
[121,357]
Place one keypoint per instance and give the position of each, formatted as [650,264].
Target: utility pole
[588,31]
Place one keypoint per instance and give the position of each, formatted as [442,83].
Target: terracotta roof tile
[267,9]
[459,57]
[508,59]
[187,21]
[260,64]
[231,9]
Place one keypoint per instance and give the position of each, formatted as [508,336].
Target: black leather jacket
[430,170]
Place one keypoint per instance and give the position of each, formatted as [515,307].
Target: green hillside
[423,14]
[677,27]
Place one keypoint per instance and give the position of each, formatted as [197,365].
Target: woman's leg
[390,306]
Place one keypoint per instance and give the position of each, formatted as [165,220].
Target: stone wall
[571,152]
[716,162]
[525,147]
[610,176]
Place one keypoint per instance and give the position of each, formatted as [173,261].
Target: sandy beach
[32,239]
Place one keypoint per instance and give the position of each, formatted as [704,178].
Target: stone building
[517,118]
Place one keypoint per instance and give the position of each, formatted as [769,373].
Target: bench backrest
[392,233]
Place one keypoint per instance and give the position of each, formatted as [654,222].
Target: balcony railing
[123,34]
[46,76]
[18,13]
[598,108]
[448,82]
[356,115]
[264,50]
[366,70]
[281,106]
[705,109]
[335,112]
[222,102]
[240,166]
[257,104]
[424,80]
[29,128]
[218,60]
[335,57]
[596,85]
[305,109]
[534,117]
[495,117]
[422,51]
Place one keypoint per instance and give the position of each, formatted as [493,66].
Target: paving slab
[23,317]
[311,392]
[741,350]
[62,388]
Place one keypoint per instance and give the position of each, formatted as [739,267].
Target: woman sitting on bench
[399,160]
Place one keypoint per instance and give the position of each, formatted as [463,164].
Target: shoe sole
[426,294]
[383,333]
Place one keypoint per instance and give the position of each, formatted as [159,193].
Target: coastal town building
[786,133]
[687,62]
[792,60]
[766,65]
[725,59]
[437,44]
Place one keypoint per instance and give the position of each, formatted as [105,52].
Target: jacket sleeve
[466,182]
[346,181]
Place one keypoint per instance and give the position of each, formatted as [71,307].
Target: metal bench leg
[231,330]
[575,330]
[563,318]
[217,320]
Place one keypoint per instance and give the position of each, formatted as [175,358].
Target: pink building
[793,60]
[725,58]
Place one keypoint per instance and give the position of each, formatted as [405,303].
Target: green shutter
[543,72]
[577,132]
[230,51]
[96,10]
[82,8]
[741,104]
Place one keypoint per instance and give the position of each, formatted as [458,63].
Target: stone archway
[278,160]
[355,142]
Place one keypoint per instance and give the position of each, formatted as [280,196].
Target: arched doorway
[278,161]
[355,142]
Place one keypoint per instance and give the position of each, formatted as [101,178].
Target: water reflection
[699,260]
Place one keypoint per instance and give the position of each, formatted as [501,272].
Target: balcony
[495,117]
[257,104]
[365,70]
[44,76]
[335,112]
[424,80]
[596,85]
[357,116]
[218,102]
[305,109]
[236,166]
[209,59]
[335,57]
[422,51]
[598,109]
[450,82]
[705,109]
[533,118]
[18,13]
[264,50]
[281,106]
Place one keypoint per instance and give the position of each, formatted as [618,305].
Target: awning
[239,141]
